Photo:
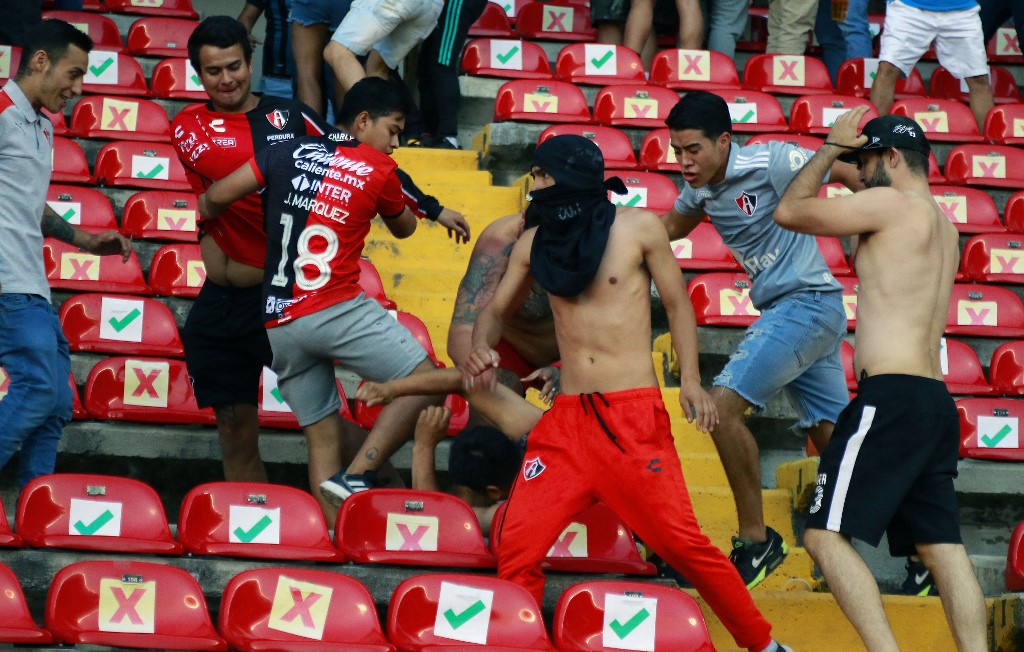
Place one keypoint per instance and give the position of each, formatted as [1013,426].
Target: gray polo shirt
[26,161]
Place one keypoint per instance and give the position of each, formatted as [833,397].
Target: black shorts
[890,464]
[226,345]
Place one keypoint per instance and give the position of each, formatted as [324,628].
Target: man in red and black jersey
[321,195]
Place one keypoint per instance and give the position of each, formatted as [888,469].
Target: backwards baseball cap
[890,131]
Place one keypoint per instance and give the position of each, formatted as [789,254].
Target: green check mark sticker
[92,528]
[122,323]
[507,7]
[622,630]
[458,620]
[603,60]
[100,69]
[747,116]
[152,173]
[993,440]
[276,393]
[246,536]
[505,58]
[69,215]
[633,201]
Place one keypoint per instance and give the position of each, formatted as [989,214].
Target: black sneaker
[919,580]
[341,485]
[448,142]
[755,560]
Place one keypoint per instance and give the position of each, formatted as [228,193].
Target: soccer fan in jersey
[320,195]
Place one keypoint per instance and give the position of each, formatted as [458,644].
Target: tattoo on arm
[54,226]
[372,454]
[477,287]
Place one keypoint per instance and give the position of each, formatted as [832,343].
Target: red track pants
[618,448]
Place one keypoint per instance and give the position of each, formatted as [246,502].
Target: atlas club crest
[747,203]
[278,118]
[532,468]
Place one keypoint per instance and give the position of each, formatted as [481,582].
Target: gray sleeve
[784,162]
[687,203]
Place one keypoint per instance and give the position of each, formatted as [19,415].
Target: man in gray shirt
[794,344]
[33,350]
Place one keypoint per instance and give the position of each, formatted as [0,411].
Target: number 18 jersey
[322,194]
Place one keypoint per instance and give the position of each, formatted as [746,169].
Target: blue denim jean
[794,347]
[35,355]
[846,39]
[727,20]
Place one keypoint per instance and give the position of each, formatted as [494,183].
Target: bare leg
[346,67]
[691,24]
[738,452]
[961,596]
[307,44]
[239,431]
[853,586]
[820,434]
[610,32]
[375,66]
[352,438]
[325,450]
[883,89]
[980,98]
[639,24]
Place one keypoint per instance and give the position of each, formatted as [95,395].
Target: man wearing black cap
[890,463]
[608,435]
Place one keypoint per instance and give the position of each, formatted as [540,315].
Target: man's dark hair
[53,37]
[701,110]
[917,162]
[221,32]
[376,96]
[483,456]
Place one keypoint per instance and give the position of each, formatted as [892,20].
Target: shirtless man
[608,436]
[890,464]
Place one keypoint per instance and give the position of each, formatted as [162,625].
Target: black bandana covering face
[573,217]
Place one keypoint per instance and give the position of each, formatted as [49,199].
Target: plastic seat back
[850,289]
[10,59]
[122,324]
[694,70]
[634,105]
[857,75]
[754,111]
[176,79]
[299,609]
[140,165]
[143,389]
[994,258]
[94,512]
[971,210]
[997,166]
[541,101]
[1007,369]
[832,251]
[256,520]
[60,125]
[160,36]
[815,114]
[1004,86]
[373,287]
[119,118]
[411,528]
[1004,124]
[722,299]
[1004,46]
[649,190]
[555,21]
[7,537]
[16,623]
[787,74]
[172,8]
[161,215]
[1015,560]
[86,208]
[506,58]
[985,311]
[846,352]
[447,611]
[69,268]
[990,428]
[656,153]
[177,270]
[492,23]
[616,615]
[942,120]
[599,64]
[615,146]
[69,164]
[703,249]
[101,29]
[130,604]
[111,72]
[961,368]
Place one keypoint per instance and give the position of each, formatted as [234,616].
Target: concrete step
[422,158]
[451,176]
[480,204]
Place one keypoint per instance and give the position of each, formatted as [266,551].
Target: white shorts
[959,43]
[391,27]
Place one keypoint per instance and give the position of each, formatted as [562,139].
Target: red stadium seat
[800,140]
[1004,86]
[1015,560]
[786,74]
[130,604]
[634,105]
[140,165]
[985,311]
[754,111]
[16,624]
[492,23]
[173,8]
[703,249]
[120,119]
[994,258]
[1004,47]
[722,299]
[555,21]
[10,59]
[832,251]
[7,538]
[69,164]
[77,412]
[541,101]
[756,37]
[850,290]
[60,125]
[161,215]
[846,356]
[1004,124]
[990,428]
[177,270]
[69,268]
[411,528]
[649,190]
[1007,369]
[961,369]
[274,412]
[505,58]
[615,146]
[815,114]
[176,79]
[971,210]
[369,281]
[1014,212]
[594,541]
[440,610]
[293,609]
[114,73]
[656,153]
[122,324]
[94,512]
[998,166]
[934,174]
[694,70]
[857,75]
[86,208]
[599,64]
[257,520]
[101,29]
[942,120]
[159,36]
[143,389]
[616,615]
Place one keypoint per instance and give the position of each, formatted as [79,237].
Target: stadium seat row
[151,36]
[172,8]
